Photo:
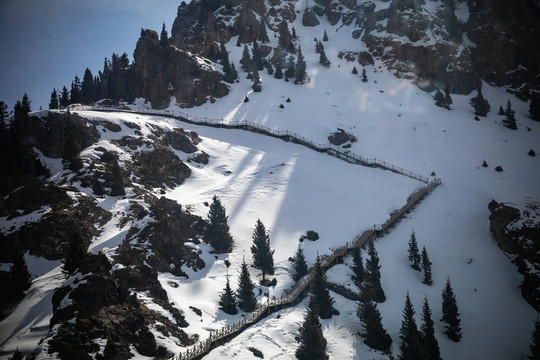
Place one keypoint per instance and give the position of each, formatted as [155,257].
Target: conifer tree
[534,108]
[87,87]
[358,265]
[257,58]
[501,110]
[375,335]
[164,37]
[53,103]
[414,253]
[75,92]
[450,312]
[227,300]
[291,70]
[480,105]
[269,67]
[510,118]
[64,98]
[374,274]
[245,295]
[442,100]
[323,303]
[354,71]
[410,347]
[76,252]
[318,46]
[447,98]
[229,75]
[323,60]
[245,61]
[263,34]
[430,345]
[535,344]
[325,36]
[278,74]
[312,341]
[299,264]
[364,76]
[3,117]
[300,68]
[426,267]
[17,355]
[256,78]
[19,276]
[217,233]
[263,257]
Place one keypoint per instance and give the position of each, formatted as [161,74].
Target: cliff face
[161,72]
[517,232]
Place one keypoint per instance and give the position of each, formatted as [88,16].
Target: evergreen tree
[98,90]
[427,334]
[447,99]
[325,36]
[263,257]
[257,58]
[312,341]
[217,233]
[229,71]
[257,84]
[480,105]
[76,252]
[318,46]
[291,70]
[364,76]
[246,62]
[227,300]
[535,344]
[19,276]
[87,87]
[441,100]
[300,68]
[278,74]
[117,187]
[426,267]
[375,335]
[534,108]
[64,98]
[374,275]
[285,37]
[299,264]
[358,265]
[354,71]
[17,355]
[269,67]
[323,60]
[323,303]
[3,116]
[53,103]
[246,298]
[75,92]
[414,253]
[450,313]
[510,118]
[164,37]
[501,110]
[410,347]
[263,34]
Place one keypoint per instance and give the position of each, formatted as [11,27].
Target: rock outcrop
[517,232]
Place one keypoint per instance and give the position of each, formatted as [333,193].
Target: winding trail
[297,292]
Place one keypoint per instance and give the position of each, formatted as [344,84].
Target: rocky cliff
[517,232]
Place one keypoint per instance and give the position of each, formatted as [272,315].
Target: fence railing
[250,126]
[291,295]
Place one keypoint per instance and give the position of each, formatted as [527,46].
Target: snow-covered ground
[293,189]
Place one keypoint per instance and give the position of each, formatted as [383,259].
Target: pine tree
[426,267]
[87,87]
[414,253]
[299,264]
[374,275]
[501,110]
[256,78]
[325,36]
[300,68]
[480,105]
[227,300]
[245,295]
[64,98]
[217,233]
[441,100]
[447,98]
[323,60]
[3,117]
[75,92]
[164,37]
[510,118]
[535,344]
[53,103]
[228,75]
[358,266]
[117,187]
[245,61]
[427,334]
[312,342]
[323,303]
[318,46]
[19,276]
[375,335]
[410,347]
[278,74]
[263,257]
[364,76]
[263,34]
[450,313]
[76,252]
[17,355]
[354,71]
[257,58]
[534,108]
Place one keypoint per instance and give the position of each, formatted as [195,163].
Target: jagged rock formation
[517,232]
